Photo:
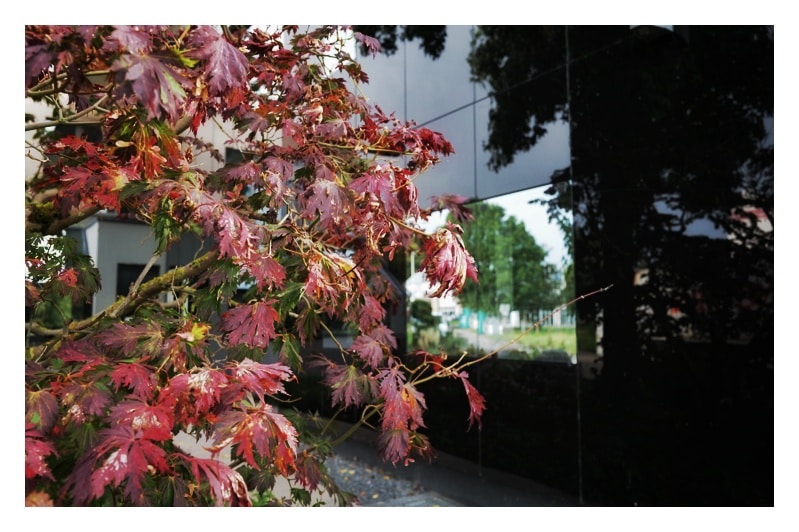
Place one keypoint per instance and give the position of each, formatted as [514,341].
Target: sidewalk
[447,481]
[452,481]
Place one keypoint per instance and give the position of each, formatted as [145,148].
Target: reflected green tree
[513,267]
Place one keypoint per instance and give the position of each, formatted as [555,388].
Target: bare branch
[37,91]
[56,226]
[143,274]
[125,306]
[71,118]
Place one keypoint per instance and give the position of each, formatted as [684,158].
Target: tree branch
[58,225]
[147,267]
[71,118]
[128,304]
[36,89]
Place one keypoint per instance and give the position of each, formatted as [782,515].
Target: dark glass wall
[671,192]
[672,183]
[669,399]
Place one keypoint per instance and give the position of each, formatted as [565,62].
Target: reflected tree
[671,184]
[671,189]
[512,265]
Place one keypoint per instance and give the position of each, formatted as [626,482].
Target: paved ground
[447,481]
[452,481]
[426,500]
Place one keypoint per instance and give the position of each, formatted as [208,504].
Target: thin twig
[452,369]
[143,274]
[536,325]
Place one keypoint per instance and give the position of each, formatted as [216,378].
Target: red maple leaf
[194,395]
[309,471]
[476,400]
[372,312]
[393,444]
[378,186]
[225,66]
[333,129]
[38,58]
[237,237]
[455,203]
[132,38]
[261,429]
[370,43]
[89,185]
[384,335]
[420,444]
[321,284]
[36,452]
[260,379]
[78,482]
[293,84]
[129,454]
[227,485]
[139,378]
[404,404]
[151,82]
[435,141]
[86,397]
[174,352]
[278,172]
[368,349]
[151,156]
[41,409]
[349,386]
[247,172]
[293,131]
[154,421]
[84,353]
[266,271]
[446,262]
[328,199]
[252,325]
[144,338]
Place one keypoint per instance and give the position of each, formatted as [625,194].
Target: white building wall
[92,234]
[120,243]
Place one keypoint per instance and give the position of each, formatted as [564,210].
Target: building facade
[654,148]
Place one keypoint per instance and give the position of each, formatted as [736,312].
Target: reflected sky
[536,221]
[439,95]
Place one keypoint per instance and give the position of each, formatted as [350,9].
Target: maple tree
[323,197]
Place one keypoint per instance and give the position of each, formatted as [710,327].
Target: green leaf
[301,496]
[290,352]
[287,299]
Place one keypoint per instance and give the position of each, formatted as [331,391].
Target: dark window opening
[128,273]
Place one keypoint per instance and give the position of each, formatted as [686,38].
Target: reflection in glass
[513,310]
[666,177]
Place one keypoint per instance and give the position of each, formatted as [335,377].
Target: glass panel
[668,172]
[672,142]
[513,311]
[439,94]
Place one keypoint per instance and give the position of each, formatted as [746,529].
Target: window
[128,273]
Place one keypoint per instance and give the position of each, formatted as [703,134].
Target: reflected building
[653,147]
